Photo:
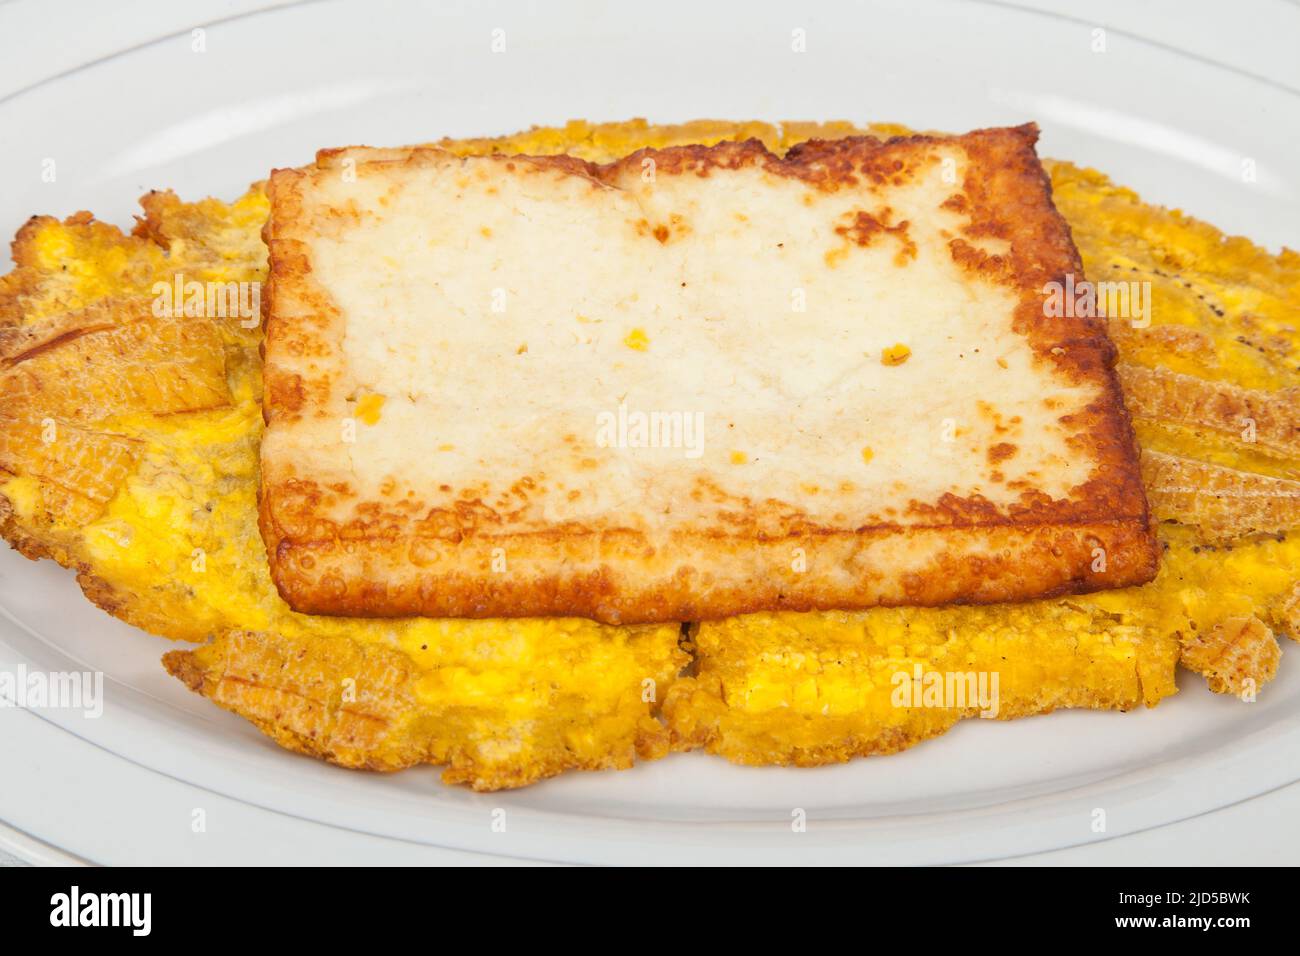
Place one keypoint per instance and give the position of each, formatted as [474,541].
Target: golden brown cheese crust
[334,549]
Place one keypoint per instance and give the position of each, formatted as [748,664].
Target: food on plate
[669,387]
[164,535]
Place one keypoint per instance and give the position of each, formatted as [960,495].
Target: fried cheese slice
[286,672]
[672,386]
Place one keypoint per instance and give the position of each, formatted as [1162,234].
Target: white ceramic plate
[272,87]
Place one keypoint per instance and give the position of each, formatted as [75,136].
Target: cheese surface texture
[694,382]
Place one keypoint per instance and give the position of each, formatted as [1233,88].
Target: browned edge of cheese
[1038,547]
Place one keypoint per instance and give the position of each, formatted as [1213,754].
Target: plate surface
[271,87]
